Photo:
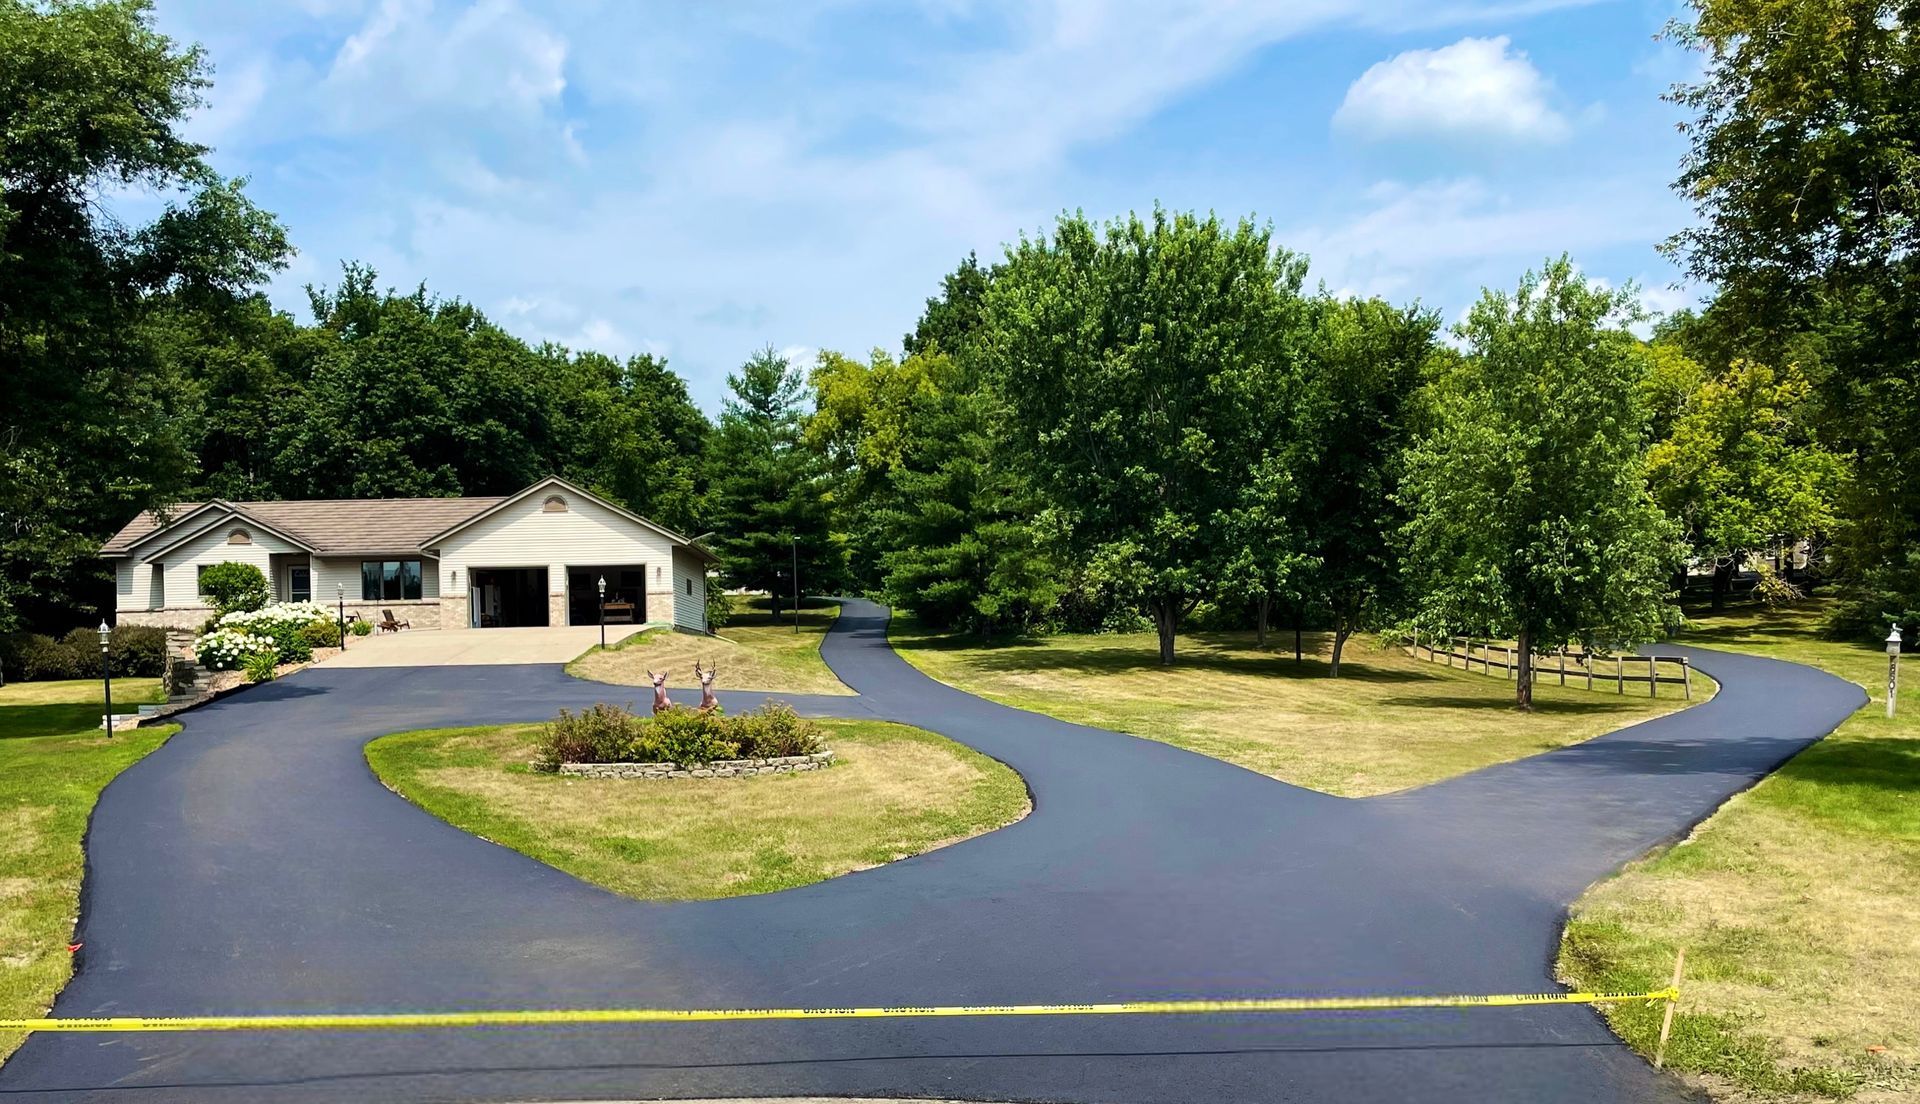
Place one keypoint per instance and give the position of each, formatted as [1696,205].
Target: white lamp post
[603,612]
[1893,666]
[106,675]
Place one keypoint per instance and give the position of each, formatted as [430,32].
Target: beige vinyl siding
[689,610]
[526,535]
[132,584]
[184,560]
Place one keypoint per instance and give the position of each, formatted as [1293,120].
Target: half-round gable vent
[239,536]
[554,505]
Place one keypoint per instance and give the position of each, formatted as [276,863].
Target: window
[299,583]
[239,536]
[554,505]
[389,580]
[689,584]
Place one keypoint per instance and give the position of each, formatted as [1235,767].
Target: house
[532,558]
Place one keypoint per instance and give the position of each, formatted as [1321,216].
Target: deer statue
[660,702]
[707,700]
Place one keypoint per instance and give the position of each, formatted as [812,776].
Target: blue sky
[701,180]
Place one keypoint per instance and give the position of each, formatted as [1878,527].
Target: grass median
[1389,721]
[893,791]
[1796,903]
[54,761]
[754,651]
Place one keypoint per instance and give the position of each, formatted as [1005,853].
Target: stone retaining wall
[719,768]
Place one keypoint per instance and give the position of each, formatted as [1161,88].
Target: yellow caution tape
[351,1021]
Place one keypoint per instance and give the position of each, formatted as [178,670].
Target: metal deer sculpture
[706,677]
[660,702]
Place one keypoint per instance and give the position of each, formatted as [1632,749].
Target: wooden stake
[1666,1021]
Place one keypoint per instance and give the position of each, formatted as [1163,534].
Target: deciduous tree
[1132,360]
[1530,510]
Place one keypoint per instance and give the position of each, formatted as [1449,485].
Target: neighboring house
[532,558]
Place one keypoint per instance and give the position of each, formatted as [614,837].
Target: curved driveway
[253,864]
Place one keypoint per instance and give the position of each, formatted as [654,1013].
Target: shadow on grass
[1580,707]
[1206,652]
[55,719]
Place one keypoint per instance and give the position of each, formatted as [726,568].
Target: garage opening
[507,597]
[626,594]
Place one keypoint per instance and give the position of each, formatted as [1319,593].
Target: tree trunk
[1260,637]
[1339,644]
[1165,614]
[1722,583]
[1523,681]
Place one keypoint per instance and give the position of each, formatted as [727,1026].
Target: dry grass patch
[54,760]
[1388,722]
[893,791]
[754,652]
[1795,902]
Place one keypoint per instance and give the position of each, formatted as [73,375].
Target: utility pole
[796,584]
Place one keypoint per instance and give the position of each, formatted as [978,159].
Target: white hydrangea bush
[268,620]
[228,649]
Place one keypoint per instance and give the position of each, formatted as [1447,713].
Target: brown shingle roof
[332,527]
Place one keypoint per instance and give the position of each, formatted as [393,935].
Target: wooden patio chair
[388,624]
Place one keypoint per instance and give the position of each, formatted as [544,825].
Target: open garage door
[507,597]
[626,593]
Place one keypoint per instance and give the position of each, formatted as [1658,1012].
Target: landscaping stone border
[719,768]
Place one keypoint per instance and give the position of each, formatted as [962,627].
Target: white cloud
[1406,240]
[1477,87]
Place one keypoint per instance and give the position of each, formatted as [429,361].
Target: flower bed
[288,630]
[677,738]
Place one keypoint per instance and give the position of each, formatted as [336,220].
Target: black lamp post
[603,612]
[106,675]
[796,585]
[340,595]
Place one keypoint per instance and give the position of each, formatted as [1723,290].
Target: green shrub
[774,731]
[598,734]
[136,651]
[719,605]
[133,651]
[231,587]
[360,628]
[42,658]
[259,667]
[687,737]
[320,634]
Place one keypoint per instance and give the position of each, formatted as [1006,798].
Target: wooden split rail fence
[1581,666]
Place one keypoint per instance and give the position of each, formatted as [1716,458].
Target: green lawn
[1798,902]
[54,760]
[892,792]
[1388,722]
[753,651]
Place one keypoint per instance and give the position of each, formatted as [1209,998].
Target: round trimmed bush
[231,587]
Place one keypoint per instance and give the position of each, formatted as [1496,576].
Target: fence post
[1619,674]
[1563,664]
[1509,663]
[1586,660]
[1653,676]
[1686,676]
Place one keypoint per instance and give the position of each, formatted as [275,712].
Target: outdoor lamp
[1893,666]
[603,613]
[106,676]
[340,595]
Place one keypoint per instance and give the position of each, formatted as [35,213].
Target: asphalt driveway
[254,864]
